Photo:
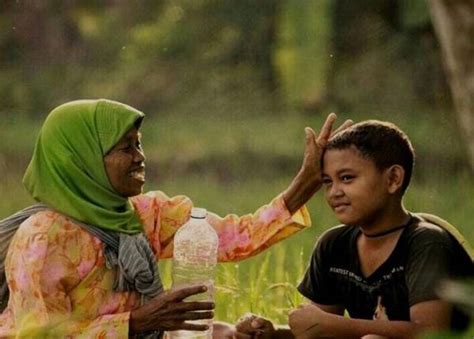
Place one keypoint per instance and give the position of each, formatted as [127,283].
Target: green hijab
[67,169]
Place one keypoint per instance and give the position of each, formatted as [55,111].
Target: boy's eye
[347,178]
[326,181]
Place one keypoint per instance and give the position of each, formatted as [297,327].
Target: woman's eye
[126,148]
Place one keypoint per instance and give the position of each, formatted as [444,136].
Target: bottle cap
[198,213]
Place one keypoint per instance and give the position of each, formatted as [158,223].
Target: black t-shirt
[424,255]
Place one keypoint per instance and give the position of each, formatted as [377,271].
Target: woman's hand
[168,312]
[308,180]
[252,326]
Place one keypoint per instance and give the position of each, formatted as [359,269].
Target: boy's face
[355,188]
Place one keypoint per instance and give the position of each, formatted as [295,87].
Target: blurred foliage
[302,54]
[226,59]
[152,54]
[57,51]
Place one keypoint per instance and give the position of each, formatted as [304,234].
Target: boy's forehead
[343,158]
[349,150]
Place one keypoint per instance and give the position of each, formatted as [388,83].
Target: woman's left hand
[308,180]
[169,312]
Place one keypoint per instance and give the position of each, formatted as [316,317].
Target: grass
[238,164]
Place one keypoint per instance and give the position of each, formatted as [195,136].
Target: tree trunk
[453,21]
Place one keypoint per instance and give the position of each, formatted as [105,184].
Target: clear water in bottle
[194,262]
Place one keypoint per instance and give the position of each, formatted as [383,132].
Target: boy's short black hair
[382,142]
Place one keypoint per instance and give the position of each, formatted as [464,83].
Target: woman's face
[125,164]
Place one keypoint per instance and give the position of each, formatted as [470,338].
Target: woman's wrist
[302,188]
[133,323]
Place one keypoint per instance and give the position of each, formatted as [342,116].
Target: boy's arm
[251,324]
[433,315]
[309,321]
[334,309]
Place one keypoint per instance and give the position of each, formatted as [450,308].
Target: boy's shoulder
[433,223]
[427,232]
[336,235]
[424,234]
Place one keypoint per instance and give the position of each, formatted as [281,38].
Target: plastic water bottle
[194,263]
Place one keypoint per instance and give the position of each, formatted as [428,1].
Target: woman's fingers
[316,143]
[325,131]
[310,135]
[183,316]
[310,148]
[194,306]
[346,124]
[193,327]
[183,293]
[168,311]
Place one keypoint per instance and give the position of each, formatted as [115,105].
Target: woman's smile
[138,174]
[125,165]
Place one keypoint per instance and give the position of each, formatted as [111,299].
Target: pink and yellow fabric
[60,286]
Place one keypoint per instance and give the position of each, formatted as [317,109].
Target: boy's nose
[335,191]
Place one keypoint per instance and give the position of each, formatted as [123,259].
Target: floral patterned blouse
[59,284]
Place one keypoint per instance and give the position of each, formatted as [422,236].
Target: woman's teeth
[139,175]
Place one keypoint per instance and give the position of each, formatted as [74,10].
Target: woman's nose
[139,155]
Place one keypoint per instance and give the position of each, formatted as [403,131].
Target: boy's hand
[308,180]
[252,326]
[308,321]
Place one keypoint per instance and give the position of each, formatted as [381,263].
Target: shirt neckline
[376,274]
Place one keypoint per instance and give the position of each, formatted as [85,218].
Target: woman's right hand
[309,178]
[168,312]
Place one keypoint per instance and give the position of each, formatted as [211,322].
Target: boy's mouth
[339,207]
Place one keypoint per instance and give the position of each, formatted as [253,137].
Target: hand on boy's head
[348,123]
[315,143]
[309,178]
[325,132]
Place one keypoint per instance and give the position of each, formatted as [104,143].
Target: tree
[453,21]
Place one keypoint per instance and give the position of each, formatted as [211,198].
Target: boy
[383,265]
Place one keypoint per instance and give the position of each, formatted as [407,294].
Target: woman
[84,262]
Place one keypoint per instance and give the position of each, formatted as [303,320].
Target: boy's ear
[395,176]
